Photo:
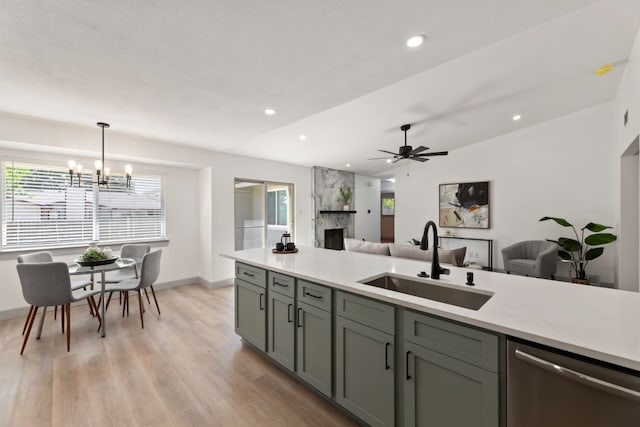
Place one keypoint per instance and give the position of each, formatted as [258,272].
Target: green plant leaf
[564,254]
[561,221]
[595,228]
[593,253]
[569,245]
[600,239]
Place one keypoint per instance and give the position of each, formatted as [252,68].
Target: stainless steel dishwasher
[552,389]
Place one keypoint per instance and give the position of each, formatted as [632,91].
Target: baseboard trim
[12,313]
[215,285]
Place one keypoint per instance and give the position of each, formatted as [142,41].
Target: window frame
[6,160]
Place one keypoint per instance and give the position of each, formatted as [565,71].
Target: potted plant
[579,251]
[346,194]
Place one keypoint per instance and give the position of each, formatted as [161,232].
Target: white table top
[596,322]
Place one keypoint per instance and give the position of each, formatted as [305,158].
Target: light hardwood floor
[186,368]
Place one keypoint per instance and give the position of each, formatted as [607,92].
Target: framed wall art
[464,205]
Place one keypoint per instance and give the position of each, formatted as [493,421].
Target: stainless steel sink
[472,300]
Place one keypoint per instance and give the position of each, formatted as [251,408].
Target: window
[277,207]
[263,212]
[388,204]
[39,208]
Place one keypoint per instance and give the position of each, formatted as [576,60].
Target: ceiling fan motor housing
[405,150]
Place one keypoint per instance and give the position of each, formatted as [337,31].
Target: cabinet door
[281,329]
[365,372]
[314,353]
[250,313]
[444,392]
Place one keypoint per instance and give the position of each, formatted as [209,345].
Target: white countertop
[596,322]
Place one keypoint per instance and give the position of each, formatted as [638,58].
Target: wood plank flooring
[186,368]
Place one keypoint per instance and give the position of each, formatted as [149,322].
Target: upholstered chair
[48,284]
[149,272]
[536,258]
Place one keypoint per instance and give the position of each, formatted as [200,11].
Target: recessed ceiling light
[389,160]
[302,137]
[348,165]
[391,179]
[604,70]
[415,41]
[516,117]
[269,111]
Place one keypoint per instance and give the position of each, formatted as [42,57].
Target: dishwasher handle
[578,376]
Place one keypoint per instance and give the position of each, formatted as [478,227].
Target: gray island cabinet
[365,365]
[250,296]
[451,375]
[386,365]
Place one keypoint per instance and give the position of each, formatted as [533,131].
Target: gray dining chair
[46,256]
[137,251]
[48,284]
[149,272]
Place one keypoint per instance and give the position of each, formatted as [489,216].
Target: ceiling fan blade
[419,159]
[418,149]
[397,160]
[388,152]
[436,153]
[380,158]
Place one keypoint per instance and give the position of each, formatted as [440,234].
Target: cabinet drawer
[285,285]
[366,311]
[251,274]
[460,342]
[313,294]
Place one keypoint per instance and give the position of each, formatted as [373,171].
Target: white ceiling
[201,73]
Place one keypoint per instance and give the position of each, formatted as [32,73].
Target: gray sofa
[536,258]
[445,256]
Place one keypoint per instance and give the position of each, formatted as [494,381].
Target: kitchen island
[411,332]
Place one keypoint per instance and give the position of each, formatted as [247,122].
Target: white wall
[199,196]
[565,167]
[367,204]
[181,206]
[628,99]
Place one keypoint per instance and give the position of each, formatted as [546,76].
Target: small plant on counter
[414,242]
[577,252]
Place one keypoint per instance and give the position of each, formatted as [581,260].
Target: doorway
[263,211]
[387,217]
[629,235]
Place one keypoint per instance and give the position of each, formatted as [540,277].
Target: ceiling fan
[408,152]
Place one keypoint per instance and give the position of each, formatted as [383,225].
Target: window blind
[39,208]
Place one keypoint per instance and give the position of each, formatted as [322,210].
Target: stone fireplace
[327,211]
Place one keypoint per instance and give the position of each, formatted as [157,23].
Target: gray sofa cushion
[355,245]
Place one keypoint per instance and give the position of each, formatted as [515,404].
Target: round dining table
[76,269]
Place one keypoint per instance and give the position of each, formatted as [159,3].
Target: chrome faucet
[436,270]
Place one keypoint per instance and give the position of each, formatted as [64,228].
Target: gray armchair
[537,258]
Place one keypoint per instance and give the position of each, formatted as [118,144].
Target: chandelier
[102,172]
